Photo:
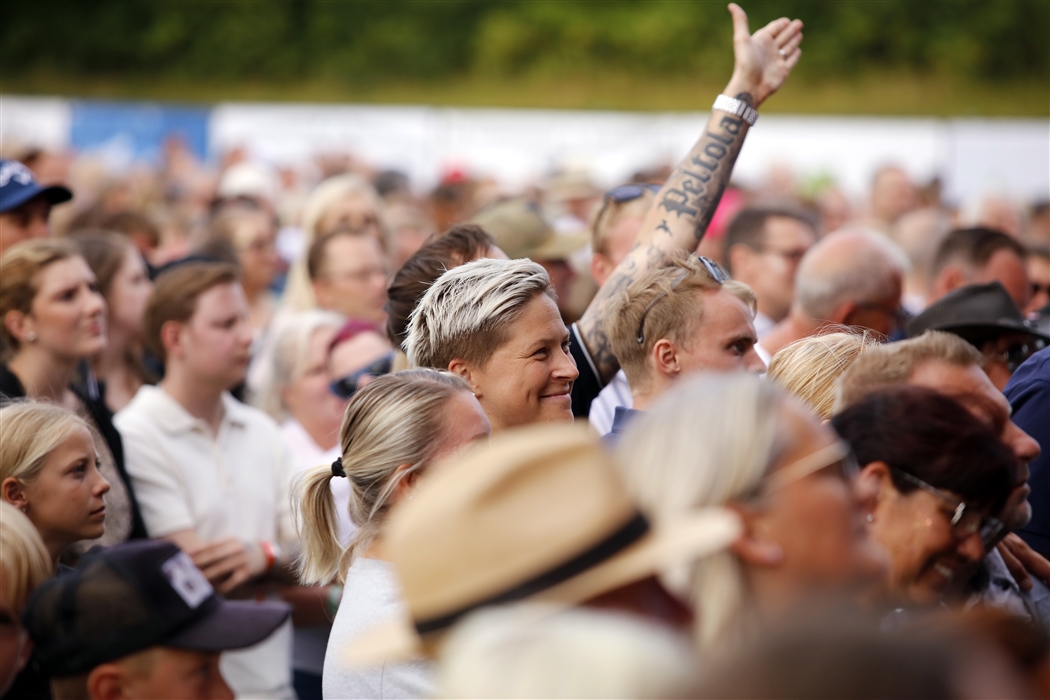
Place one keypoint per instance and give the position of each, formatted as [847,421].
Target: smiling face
[816,520]
[528,379]
[64,502]
[68,314]
[915,529]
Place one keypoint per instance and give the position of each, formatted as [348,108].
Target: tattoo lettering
[676,201]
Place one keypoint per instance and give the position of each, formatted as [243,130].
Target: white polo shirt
[236,483]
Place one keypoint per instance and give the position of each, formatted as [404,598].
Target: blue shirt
[1029,394]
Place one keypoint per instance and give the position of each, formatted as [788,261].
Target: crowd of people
[668,440]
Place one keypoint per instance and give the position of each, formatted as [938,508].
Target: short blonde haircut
[675,316]
[287,357]
[19,284]
[24,561]
[397,419]
[32,430]
[709,441]
[810,368]
[466,313]
[894,363]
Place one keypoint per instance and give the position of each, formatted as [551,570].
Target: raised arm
[684,206]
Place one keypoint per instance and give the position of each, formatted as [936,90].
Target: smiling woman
[495,323]
[940,478]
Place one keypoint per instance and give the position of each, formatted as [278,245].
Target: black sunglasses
[625,193]
[1015,355]
[347,386]
[717,274]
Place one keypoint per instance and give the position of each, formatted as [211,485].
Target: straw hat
[538,513]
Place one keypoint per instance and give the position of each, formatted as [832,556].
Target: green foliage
[372,41]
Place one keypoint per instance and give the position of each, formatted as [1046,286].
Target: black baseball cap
[976,313]
[18,186]
[127,598]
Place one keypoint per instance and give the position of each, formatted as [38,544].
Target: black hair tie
[337,467]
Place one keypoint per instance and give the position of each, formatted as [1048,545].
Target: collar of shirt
[174,419]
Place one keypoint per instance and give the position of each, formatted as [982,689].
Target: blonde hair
[894,363]
[535,651]
[32,430]
[287,356]
[611,212]
[465,314]
[707,442]
[19,268]
[676,314]
[810,368]
[397,419]
[24,561]
[299,294]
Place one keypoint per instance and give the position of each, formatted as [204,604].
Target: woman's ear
[12,491]
[463,370]
[18,324]
[405,481]
[753,546]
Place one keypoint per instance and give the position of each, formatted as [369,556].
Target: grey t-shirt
[371,596]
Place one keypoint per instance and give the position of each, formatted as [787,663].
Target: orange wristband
[270,553]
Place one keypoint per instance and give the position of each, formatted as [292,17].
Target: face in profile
[816,520]
[308,398]
[67,317]
[215,342]
[528,379]
[128,294]
[65,500]
[725,338]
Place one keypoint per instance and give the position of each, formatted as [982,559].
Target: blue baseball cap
[18,186]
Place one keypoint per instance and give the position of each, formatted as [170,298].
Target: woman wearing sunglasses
[937,479]
[735,440]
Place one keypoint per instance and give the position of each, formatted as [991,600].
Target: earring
[31,336]
[870,518]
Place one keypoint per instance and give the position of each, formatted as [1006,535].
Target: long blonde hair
[397,419]
[24,561]
[707,442]
[32,430]
[810,368]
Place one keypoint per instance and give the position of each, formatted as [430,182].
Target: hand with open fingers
[1023,562]
[229,562]
[763,60]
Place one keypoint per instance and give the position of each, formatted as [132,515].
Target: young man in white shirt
[213,475]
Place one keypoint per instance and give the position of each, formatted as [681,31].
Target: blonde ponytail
[396,420]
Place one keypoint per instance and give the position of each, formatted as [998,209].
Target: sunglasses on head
[717,274]
[347,386]
[625,193]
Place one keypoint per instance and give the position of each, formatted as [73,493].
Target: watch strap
[738,108]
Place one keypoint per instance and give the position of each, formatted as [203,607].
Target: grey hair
[707,442]
[465,313]
[865,276]
[286,356]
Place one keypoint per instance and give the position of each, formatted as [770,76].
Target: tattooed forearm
[678,221]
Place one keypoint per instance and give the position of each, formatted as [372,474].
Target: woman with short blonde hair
[810,368]
[395,428]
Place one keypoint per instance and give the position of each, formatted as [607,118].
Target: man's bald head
[849,267]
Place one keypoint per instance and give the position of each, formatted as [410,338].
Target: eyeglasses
[717,274]
[966,520]
[1015,355]
[347,386]
[837,456]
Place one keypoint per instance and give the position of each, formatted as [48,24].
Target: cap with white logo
[18,186]
[132,596]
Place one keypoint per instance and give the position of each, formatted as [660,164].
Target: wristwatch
[738,108]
